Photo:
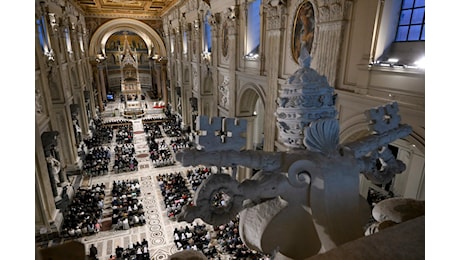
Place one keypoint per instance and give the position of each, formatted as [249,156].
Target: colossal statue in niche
[304,201]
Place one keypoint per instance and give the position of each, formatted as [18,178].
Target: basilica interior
[191,92]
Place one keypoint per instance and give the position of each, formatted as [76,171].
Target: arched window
[253,30]
[43,35]
[67,40]
[184,43]
[207,33]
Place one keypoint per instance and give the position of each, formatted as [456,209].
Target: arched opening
[153,41]
[252,108]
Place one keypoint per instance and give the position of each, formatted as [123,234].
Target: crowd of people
[83,216]
[197,175]
[116,122]
[93,151]
[125,159]
[124,134]
[215,241]
[175,192]
[152,131]
[100,134]
[195,237]
[97,161]
[151,118]
[230,243]
[135,251]
[160,154]
[179,143]
[127,209]
[172,128]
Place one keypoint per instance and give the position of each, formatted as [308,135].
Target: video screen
[110,97]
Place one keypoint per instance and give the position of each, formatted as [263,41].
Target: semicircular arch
[151,38]
[248,96]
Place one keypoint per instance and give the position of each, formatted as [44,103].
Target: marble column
[101,69]
[245,172]
[214,23]
[163,89]
[83,114]
[66,139]
[100,104]
[232,53]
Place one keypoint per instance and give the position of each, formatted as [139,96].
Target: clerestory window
[43,35]
[411,26]
[207,33]
[253,30]
[401,36]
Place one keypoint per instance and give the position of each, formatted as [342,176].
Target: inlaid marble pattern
[158,230]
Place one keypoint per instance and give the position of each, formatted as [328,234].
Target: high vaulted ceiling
[137,9]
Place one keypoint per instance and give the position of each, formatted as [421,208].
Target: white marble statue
[55,167]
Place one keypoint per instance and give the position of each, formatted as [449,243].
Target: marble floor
[158,230]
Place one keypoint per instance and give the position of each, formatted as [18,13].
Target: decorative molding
[275,14]
[224,92]
[196,78]
[225,40]
[335,11]
[38,100]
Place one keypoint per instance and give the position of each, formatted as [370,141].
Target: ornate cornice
[275,14]
[335,11]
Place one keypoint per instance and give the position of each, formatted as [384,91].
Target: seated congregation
[127,209]
[125,158]
[135,251]
[84,214]
[160,153]
[175,193]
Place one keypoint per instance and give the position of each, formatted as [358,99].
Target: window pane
[184,42]
[414,33]
[40,34]
[67,40]
[402,33]
[423,34]
[419,3]
[417,15]
[207,33]
[407,4]
[253,32]
[405,17]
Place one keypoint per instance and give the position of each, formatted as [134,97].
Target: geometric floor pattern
[158,230]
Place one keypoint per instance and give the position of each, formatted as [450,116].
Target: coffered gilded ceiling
[137,9]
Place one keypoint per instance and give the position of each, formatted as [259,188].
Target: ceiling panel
[137,9]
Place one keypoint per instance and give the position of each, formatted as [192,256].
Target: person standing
[93,252]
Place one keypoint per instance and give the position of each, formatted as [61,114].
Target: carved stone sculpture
[393,211]
[303,201]
[55,167]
